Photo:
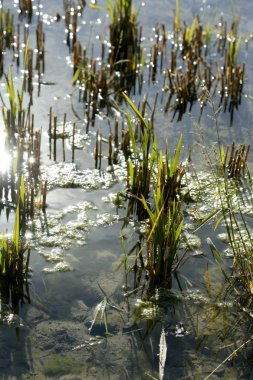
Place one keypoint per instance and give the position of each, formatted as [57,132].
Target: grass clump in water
[154,184]
[124,37]
[14,263]
[232,182]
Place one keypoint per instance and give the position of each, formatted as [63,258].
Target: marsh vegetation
[157,117]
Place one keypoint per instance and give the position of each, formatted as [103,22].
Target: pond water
[81,322]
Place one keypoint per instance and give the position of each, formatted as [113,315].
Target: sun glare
[5,159]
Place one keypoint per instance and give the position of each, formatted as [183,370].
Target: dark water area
[80,320]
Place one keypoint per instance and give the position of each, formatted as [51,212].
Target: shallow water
[76,248]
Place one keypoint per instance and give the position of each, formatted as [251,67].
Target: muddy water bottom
[54,339]
[57,336]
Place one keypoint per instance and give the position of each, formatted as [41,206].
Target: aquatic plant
[154,184]
[26,9]
[140,171]
[231,180]
[12,249]
[40,59]
[184,79]
[14,262]
[125,58]
[93,83]
[235,159]
[78,4]
[22,142]
[15,98]
[71,15]
[124,38]
[177,16]
[7,31]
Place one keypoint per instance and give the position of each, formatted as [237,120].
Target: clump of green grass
[165,218]
[184,80]
[12,248]
[140,167]
[18,189]
[153,190]
[20,137]
[123,33]
[125,52]
[124,60]
[14,261]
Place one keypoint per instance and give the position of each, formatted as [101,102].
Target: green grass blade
[3,252]
[208,34]
[22,191]
[175,161]
[178,231]
[145,205]
[16,231]
[177,16]
[192,30]
[207,218]
[136,111]
[93,6]
[237,48]
[132,137]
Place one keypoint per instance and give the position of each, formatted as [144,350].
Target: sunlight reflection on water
[5,159]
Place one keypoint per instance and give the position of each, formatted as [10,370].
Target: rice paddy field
[126,203]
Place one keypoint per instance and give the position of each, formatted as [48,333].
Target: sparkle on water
[5,156]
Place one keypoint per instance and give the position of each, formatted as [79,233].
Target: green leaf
[174,164]
[208,34]
[207,218]
[76,75]
[93,6]
[177,16]
[16,230]
[137,112]
[214,249]
[110,9]
[132,137]
[151,216]
[3,252]
[191,31]
[237,48]
[218,222]
[22,191]
[178,231]
[131,172]
[153,154]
